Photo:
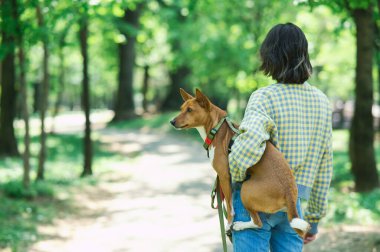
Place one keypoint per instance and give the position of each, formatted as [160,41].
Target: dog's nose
[173,122]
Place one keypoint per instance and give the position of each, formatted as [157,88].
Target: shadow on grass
[19,218]
[21,211]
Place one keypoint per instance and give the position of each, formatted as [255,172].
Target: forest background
[74,71]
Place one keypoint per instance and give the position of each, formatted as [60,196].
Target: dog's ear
[202,99]
[185,95]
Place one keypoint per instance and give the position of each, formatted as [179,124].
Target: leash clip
[213,195]
[229,232]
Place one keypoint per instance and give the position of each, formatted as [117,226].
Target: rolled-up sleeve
[256,128]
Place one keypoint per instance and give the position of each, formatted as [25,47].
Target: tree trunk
[378,72]
[44,94]
[145,88]
[8,143]
[178,76]
[177,80]
[362,129]
[36,97]
[25,113]
[61,88]
[23,101]
[87,144]
[377,58]
[124,106]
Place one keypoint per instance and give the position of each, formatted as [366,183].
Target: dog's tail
[282,170]
[291,202]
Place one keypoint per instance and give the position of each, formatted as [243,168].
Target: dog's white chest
[211,153]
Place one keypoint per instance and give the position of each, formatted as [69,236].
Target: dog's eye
[189,110]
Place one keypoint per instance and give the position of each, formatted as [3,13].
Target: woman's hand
[309,238]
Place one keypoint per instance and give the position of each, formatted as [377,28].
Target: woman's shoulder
[270,91]
[319,93]
[284,91]
[267,90]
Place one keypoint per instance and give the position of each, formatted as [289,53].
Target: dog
[271,186]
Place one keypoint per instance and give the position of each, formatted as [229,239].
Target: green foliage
[339,84]
[334,62]
[15,220]
[221,48]
[353,208]
[345,205]
[340,6]
[218,41]
[15,189]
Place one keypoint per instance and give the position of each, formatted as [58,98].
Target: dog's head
[194,111]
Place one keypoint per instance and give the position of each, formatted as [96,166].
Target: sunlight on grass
[157,122]
[160,121]
[22,210]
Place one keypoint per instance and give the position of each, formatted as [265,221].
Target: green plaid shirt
[297,120]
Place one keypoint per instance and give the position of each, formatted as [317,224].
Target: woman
[296,118]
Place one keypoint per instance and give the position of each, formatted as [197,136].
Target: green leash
[221,211]
[216,190]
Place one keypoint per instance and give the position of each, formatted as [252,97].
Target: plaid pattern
[297,120]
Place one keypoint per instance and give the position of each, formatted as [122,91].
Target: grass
[345,205]
[21,211]
[148,122]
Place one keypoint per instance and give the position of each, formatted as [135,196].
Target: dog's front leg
[224,180]
[221,166]
[226,188]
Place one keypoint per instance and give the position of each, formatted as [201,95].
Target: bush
[15,189]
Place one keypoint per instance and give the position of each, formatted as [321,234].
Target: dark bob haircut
[284,55]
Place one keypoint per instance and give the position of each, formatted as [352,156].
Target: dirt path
[347,239]
[158,203]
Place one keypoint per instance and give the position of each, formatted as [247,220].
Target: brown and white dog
[271,186]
